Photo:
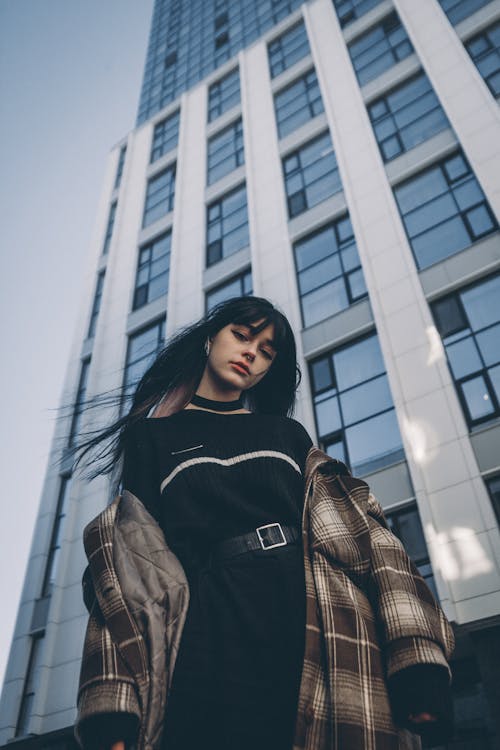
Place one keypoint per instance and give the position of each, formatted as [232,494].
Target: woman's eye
[239,335]
[266,354]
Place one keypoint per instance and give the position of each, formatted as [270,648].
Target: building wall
[445,461]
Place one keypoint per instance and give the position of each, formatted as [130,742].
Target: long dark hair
[171,380]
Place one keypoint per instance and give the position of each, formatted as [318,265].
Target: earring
[207,346]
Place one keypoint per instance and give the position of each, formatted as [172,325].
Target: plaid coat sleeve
[105,680]
[413,627]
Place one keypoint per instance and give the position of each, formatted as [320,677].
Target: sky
[70,78]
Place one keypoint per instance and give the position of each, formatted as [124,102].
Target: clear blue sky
[70,77]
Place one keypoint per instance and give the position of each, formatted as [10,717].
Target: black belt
[264,537]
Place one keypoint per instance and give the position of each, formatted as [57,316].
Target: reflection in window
[349,10]
[485,51]
[121,163]
[109,228]
[444,210]
[328,271]
[379,49]
[223,95]
[406,525]
[288,49]
[297,103]
[160,194]
[81,397]
[227,225]
[55,542]
[406,117]
[355,415]
[96,305]
[237,286]
[311,175]
[153,270]
[457,10]
[141,351]
[469,324]
[30,685]
[225,152]
[165,136]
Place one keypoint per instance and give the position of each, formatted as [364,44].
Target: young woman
[212,452]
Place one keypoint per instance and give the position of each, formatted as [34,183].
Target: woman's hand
[416,718]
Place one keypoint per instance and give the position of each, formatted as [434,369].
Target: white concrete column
[458,520]
[273,270]
[471,109]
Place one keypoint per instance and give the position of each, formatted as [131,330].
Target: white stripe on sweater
[228,462]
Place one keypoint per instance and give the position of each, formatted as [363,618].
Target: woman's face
[238,357]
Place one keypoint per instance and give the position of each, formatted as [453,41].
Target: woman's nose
[249,355]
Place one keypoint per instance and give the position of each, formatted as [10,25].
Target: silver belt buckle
[262,540]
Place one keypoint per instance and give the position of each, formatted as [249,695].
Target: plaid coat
[369,614]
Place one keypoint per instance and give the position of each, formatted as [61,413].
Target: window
[297,103]
[406,525]
[485,51]
[153,269]
[354,411]
[109,228]
[30,685]
[379,49]
[224,95]
[328,271]
[96,305]
[119,170]
[457,10]
[349,10]
[79,402]
[493,486]
[165,136]
[55,543]
[141,351]
[406,116]
[159,195]
[227,225]
[288,49]
[444,210]
[469,324]
[225,152]
[238,286]
[311,175]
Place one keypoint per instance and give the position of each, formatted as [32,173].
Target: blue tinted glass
[480,221]
[357,284]
[321,375]
[481,303]
[315,276]
[430,214]
[364,400]
[468,194]
[464,358]
[336,450]
[440,242]
[477,397]
[328,416]
[489,345]
[315,248]
[494,374]
[371,443]
[358,362]
[325,301]
[421,189]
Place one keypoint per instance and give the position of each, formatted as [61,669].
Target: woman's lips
[238,368]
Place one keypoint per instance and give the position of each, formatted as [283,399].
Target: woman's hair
[171,380]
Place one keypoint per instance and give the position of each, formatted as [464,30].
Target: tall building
[343,159]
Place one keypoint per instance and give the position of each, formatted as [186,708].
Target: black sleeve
[103,730]
[140,467]
[423,688]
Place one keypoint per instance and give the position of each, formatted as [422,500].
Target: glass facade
[355,417]
[288,49]
[469,324]
[444,210]
[109,228]
[143,347]
[237,286]
[225,152]
[484,48]
[227,225]
[160,193]
[223,95]
[165,136]
[383,46]
[96,305]
[297,103]
[311,175]
[407,526]
[189,40]
[407,116]
[329,271]
[493,485]
[350,10]
[30,684]
[457,10]
[153,269]
[121,164]
[81,397]
[55,542]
